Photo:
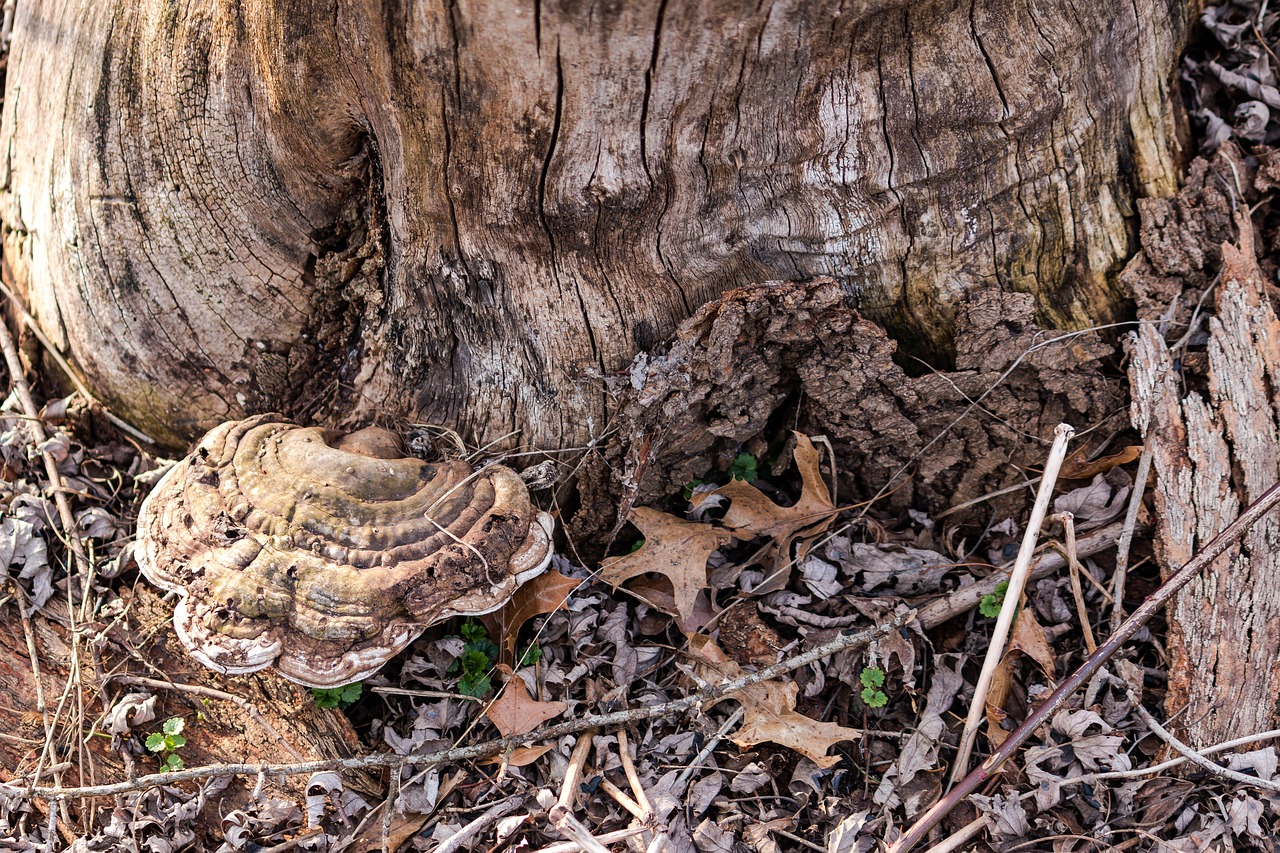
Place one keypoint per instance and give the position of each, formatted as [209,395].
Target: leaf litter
[749,574]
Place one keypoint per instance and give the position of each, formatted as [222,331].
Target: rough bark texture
[468,213]
[1215,450]
[139,642]
[938,439]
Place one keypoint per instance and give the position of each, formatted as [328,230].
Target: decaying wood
[467,213]
[1214,451]
[284,718]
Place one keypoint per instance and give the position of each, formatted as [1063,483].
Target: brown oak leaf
[769,709]
[515,712]
[752,514]
[674,548]
[546,593]
[1027,639]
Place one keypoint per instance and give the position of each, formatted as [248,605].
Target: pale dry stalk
[1077,592]
[1012,598]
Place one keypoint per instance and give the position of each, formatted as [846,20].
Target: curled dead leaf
[546,593]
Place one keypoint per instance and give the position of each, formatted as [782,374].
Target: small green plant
[872,679]
[530,656]
[636,546]
[992,602]
[744,467]
[475,662]
[338,697]
[167,741]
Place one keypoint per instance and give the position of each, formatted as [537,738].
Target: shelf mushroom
[325,554]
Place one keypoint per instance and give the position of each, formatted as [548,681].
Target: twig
[1012,599]
[424,694]
[1172,762]
[20,598]
[954,841]
[495,747]
[707,749]
[1195,757]
[492,815]
[578,758]
[1126,536]
[568,825]
[629,767]
[1077,592]
[291,843]
[200,690]
[623,799]
[606,838]
[968,597]
[1231,534]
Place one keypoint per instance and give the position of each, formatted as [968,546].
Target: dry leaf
[521,756]
[674,548]
[769,710]
[1028,638]
[752,514]
[1076,467]
[546,593]
[515,712]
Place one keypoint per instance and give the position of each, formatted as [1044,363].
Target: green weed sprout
[476,661]
[338,697]
[992,602]
[872,679]
[167,741]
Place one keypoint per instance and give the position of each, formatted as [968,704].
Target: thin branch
[968,597]
[483,750]
[1012,599]
[1229,536]
[1196,758]
[492,815]
[1077,592]
[1126,537]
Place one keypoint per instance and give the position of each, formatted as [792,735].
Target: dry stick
[1012,598]
[629,767]
[968,597]
[1220,543]
[606,838]
[495,812]
[569,790]
[1077,592]
[383,759]
[1195,757]
[568,825]
[83,566]
[1126,537]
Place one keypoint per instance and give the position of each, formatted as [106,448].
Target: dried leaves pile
[836,756]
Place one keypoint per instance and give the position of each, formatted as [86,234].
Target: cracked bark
[363,211]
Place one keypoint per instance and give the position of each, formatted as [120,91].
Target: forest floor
[593,713]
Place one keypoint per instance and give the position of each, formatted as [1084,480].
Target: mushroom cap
[326,555]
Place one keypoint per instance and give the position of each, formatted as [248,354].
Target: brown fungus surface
[325,555]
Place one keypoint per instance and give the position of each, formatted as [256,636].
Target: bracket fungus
[324,554]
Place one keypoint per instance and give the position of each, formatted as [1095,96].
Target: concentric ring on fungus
[326,555]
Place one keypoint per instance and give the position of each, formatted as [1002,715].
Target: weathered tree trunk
[468,213]
[1213,424]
